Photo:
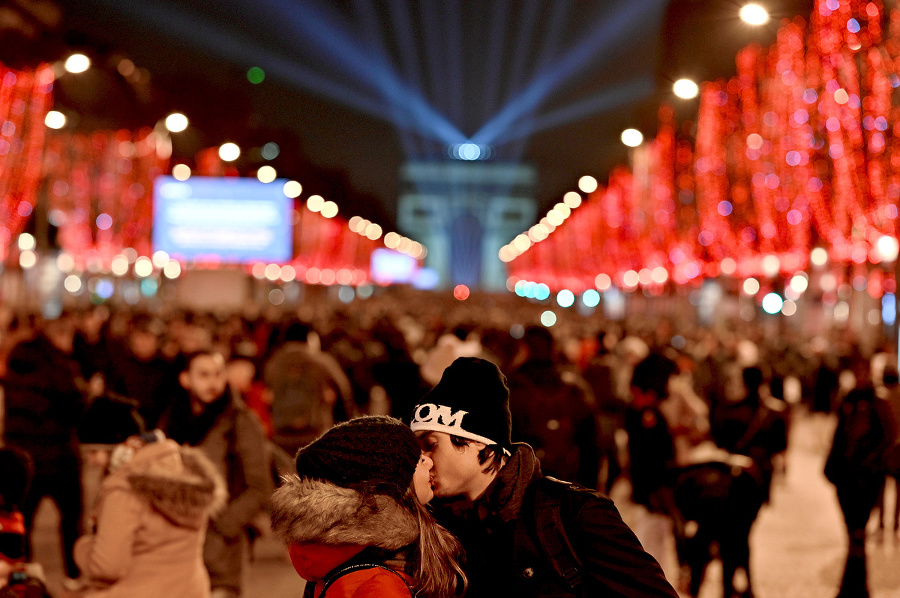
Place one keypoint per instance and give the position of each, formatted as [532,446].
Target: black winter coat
[44,403]
[613,561]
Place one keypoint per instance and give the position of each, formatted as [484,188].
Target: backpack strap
[346,569]
[551,533]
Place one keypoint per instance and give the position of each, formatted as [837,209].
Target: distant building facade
[464,212]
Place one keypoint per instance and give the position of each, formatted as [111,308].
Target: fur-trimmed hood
[306,510]
[180,482]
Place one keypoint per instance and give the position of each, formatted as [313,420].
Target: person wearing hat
[523,536]
[354,520]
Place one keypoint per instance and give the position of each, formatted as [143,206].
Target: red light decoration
[102,184]
[24,102]
[800,149]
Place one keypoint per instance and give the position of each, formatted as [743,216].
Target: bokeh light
[772,303]
[266,174]
[754,14]
[176,122]
[229,152]
[632,137]
[587,184]
[565,298]
[293,189]
[685,89]
[55,119]
[548,318]
[181,172]
[77,63]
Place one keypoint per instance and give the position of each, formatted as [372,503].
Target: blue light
[105,288]
[889,309]
[542,292]
[591,298]
[529,289]
[469,151]
[520,288]
[149,287]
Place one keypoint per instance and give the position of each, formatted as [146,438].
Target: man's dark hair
[297,332]
[493,452]
[653,373]
[539,341]
[189,358]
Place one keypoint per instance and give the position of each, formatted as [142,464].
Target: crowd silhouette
[693,419]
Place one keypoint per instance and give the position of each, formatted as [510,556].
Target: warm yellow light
[143,266]
[55,120]
[315,203]
[754,14]
[176,122]
[685,89]
[181,172]
[77,63]
[293,189]
[330,210]
[266,174]
[172,269]
[573,199]
[587,184]
[632,137]
[229,152]
[373,231]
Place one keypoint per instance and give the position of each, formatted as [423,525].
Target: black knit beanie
[471,401]
[375,453]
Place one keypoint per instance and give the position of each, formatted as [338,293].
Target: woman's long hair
[435,561]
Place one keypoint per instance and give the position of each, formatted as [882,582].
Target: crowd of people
[172,439]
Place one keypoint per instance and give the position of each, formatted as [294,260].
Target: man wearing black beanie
[524,535]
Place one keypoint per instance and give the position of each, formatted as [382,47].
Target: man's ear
[185,380]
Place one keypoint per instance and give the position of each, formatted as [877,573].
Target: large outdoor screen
[226,220]
[392,267]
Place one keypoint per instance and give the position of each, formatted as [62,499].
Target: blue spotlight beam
[558,17]
[523,42]
[415,113]
[438,84]
[632,91]
[187,27]
[453,46]
[491,91]
[406,43]
[605,37]
[317,27]
[368,21]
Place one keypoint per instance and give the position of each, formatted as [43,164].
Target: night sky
[354,88]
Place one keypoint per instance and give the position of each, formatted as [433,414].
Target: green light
[256,75]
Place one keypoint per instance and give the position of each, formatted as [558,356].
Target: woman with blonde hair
[354,519]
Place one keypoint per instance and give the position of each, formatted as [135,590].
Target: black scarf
[184,427]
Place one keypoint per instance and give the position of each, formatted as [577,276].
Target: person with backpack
[354,520]
[524,534]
